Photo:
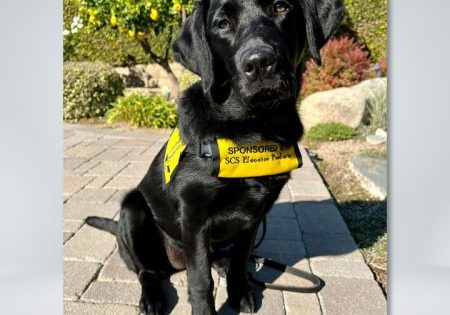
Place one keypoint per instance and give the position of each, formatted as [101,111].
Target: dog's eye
[280,7]
[224,24]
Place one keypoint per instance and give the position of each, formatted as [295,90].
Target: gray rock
[379,137]
[344,105]
[381,133]
[372,173]
[375,139]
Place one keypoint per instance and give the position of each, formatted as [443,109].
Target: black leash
[317,283]
[263,234]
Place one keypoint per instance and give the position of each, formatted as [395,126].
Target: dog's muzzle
[258,63]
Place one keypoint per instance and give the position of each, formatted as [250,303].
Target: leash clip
[258,266]
[206,150]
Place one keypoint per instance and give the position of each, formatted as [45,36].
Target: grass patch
[329,132]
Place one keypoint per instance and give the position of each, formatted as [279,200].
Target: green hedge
[368,20]
[143,111]
[89,89]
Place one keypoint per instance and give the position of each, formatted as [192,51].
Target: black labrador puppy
[249,56]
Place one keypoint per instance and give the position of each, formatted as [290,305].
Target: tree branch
[164,63]
[169,41]
[148,50]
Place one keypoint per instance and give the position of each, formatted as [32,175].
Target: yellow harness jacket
[230,160]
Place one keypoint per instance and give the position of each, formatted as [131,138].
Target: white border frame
[31,157]
[31,185]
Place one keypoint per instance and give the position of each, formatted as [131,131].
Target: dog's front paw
[149,305]
[245,304]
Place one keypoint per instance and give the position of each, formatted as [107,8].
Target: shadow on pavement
[318,231]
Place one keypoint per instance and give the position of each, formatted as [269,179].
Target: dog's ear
[322,19]
[192,50]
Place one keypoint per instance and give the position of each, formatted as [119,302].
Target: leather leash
[317,283]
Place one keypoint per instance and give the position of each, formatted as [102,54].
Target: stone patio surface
[305,229]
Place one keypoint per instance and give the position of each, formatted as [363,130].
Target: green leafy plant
[368,20]
[143,111]
[377,110]
[89,89]
[141,21]
[329,132]
[344,63]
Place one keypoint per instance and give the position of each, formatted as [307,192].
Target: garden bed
[364,214]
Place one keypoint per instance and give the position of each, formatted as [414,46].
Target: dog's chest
[242,206]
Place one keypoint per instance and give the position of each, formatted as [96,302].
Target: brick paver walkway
[304,229]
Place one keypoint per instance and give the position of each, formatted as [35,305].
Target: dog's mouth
[268,98]
[271,94]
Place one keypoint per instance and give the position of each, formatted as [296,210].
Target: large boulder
[339,105]
[370,88]
[344,105]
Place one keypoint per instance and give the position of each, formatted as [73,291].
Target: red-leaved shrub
[344,63]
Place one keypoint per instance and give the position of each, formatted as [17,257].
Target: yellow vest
[230,160]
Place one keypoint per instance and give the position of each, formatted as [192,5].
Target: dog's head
[252,49]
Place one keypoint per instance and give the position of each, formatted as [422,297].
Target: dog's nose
[259,63]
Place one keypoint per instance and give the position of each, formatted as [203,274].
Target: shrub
[143,111]
[107,44]
[377,109]
[344,63]
[89,89]
[383,65]
[187,79]
[368,19]
[330,132]
[104,46]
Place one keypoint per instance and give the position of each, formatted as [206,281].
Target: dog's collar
[227,159]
